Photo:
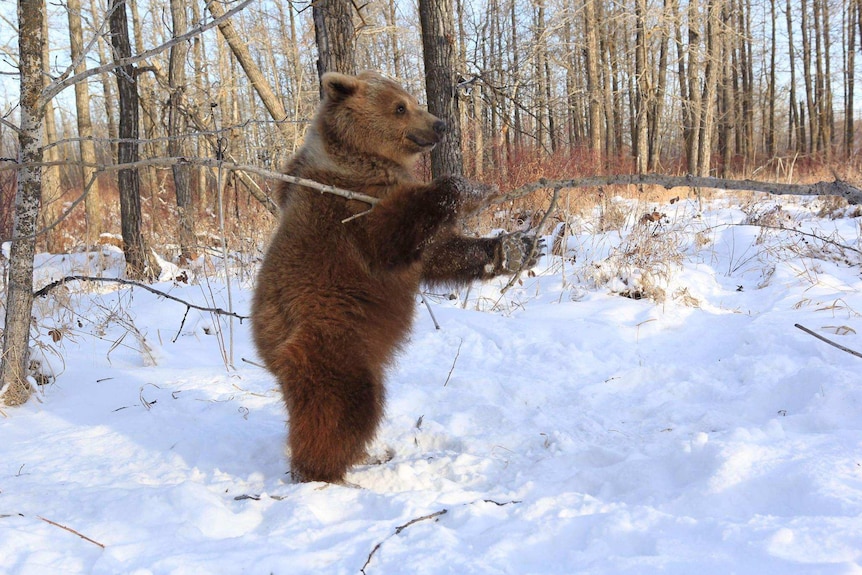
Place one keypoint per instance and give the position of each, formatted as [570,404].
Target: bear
[335,293]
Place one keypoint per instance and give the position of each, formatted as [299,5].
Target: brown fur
[334,301]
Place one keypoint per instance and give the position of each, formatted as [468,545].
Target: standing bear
[335,294]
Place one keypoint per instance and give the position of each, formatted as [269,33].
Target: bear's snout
[440,127]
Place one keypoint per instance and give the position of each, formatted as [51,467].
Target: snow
[558,428]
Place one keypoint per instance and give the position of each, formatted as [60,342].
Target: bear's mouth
[423,143]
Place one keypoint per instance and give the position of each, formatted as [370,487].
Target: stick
[398,531]
[830,342]
[836,187]
[70,530]
[431,313]
[454,361]
[215,310]
[536,239]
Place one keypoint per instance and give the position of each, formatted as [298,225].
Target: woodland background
[575,87]
[532,88]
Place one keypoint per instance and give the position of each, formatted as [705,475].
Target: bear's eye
[400,109]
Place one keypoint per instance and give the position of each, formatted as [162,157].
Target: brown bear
[334,299]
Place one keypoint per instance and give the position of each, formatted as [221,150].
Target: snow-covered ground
[559,428]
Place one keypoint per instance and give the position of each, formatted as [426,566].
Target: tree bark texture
[438,43]
[334,36]
[14,387]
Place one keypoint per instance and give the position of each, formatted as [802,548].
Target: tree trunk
[438,43]
[823,29]
[770,88]
[707,129]
[128,180]
[334,35]
[110,98]
[93,201]
[176,126]
[641,147]
[850,75]
[153,143]
[693,105]
[658,101]
[794,123]
[594,88]
[14,387]
[51,193]
[810,97]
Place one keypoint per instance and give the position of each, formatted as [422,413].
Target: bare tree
[138,260]
[93,202]
[51,192]
[176,126]
[852,13]
[14,387]
[594,88]
[641,132]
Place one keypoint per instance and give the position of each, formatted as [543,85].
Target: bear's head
[369,114]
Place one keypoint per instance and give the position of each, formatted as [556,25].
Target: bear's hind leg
[335,407]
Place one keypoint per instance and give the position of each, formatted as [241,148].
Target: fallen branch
[398,531]
[840,188]
[70,530]
[829,341]
[216,310]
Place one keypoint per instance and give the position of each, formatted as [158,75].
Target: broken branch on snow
[829,341]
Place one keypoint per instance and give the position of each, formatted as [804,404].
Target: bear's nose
[440,127]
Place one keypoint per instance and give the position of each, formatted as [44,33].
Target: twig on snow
[454,361]
[829,341]
[398,531]
[70,530]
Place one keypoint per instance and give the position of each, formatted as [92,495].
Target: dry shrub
[642,265]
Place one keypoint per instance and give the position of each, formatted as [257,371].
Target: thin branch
[14,128]
[535,246]
[837,187]
[398,531]
[56,87]
[800,232]
[70,530]
[207,162]
[454,361]
[215,310]
[829,341]
[427,305]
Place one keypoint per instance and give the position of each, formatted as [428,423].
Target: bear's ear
[339,86]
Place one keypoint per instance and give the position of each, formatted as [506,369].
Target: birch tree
[14,386]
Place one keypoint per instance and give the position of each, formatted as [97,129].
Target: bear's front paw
[518,251]
[467,196]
